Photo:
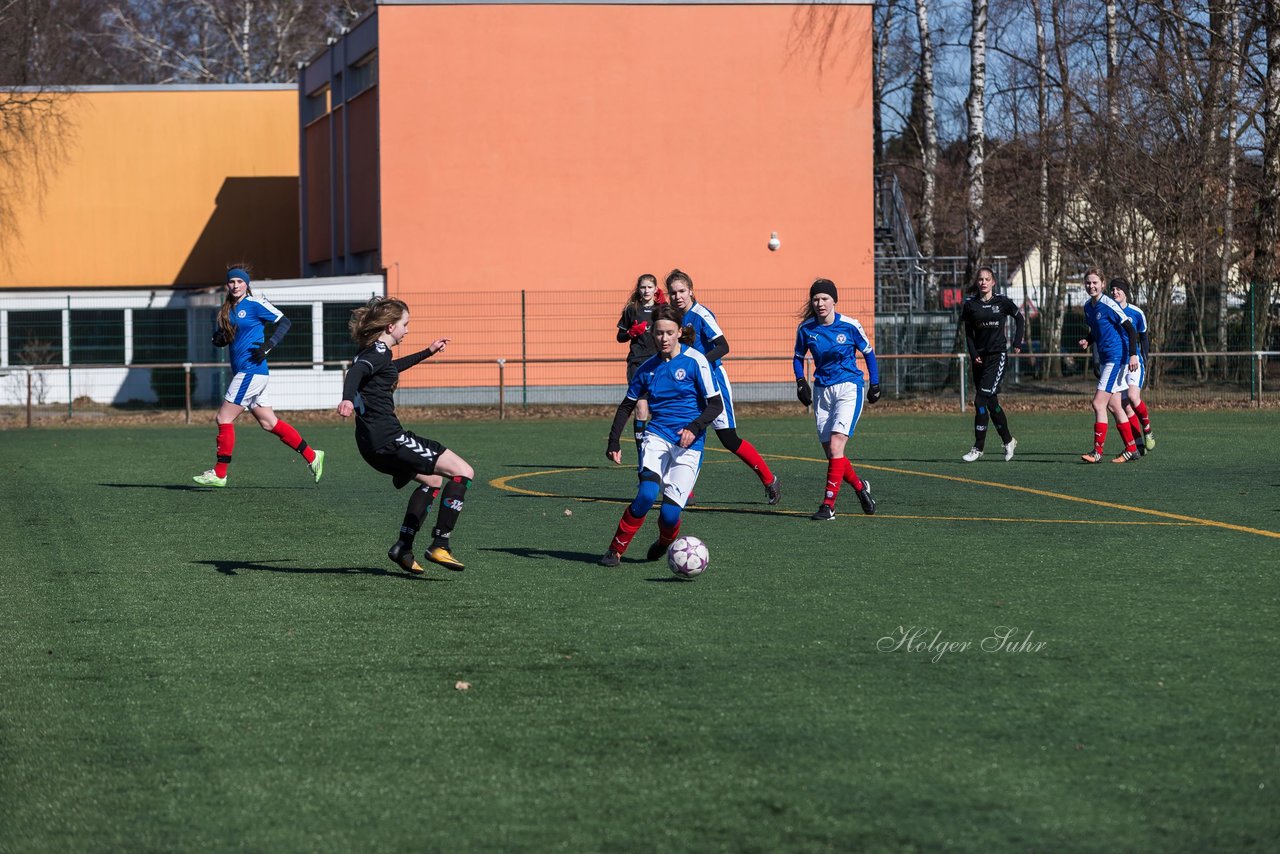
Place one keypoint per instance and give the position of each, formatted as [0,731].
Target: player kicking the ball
[385,445]
[683,402]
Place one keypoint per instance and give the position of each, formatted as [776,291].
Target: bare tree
[974,106]
[929,143]
[1267,222]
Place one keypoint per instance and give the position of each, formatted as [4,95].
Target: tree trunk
[1267,228]
[974,105]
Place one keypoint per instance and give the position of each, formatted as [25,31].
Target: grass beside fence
[189,669]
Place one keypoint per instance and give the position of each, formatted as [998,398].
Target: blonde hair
[370,320]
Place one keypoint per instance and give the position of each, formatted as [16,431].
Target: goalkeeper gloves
[220,338]
[259,353]
[873,393]
[803,393]
[638,329]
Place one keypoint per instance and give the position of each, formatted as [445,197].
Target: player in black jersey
[385,445]
[635,326]
[983,315]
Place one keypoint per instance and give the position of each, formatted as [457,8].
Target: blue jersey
[705,329]
[1105,319]
[247,320]
[835,347]
[678,390]
[1138,318]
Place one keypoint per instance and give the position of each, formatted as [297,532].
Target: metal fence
[35,394]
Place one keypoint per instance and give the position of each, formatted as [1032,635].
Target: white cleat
[973,454]
[1009,448]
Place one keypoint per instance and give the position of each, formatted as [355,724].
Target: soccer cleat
[445,558]
[1092,457]
[402,556]
[1126,457]
[611,558]
[825,512]
[1009,448]
[1149,441]
[1142,449]
[209,478]
[972,455]
[317,465]
[773,491]
[655,551]
[864,498]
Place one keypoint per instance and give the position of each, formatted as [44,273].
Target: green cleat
[317,465]
[1149,441]
[209,478]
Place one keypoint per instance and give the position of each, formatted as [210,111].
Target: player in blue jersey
[1111,332]
[241,322]
[683,402]
[367,392]
[983,317]
[1139,417]
[837,395]
[633,329]
[709,339]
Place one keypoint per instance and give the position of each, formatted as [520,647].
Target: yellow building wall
[155,187]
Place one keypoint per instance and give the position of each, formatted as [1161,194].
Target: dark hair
[678,275]
[973,288]
[370,320]
[224,313]
[636,300]
[668,311]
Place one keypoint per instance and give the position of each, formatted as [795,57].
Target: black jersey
[984,324]
[642,347]
[370,384]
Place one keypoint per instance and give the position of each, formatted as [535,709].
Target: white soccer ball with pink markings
[688,557]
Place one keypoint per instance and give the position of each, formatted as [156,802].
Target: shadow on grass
[698,507]
[234,567]
[192,487]
[577,557]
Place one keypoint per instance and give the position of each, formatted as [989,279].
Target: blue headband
[237,273]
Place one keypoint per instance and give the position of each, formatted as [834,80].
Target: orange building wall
[161,187]
[563,149]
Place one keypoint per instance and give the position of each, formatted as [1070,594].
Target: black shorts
[988,376]
[404,459]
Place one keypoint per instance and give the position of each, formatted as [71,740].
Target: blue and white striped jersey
[835,347]
[678,390]
[1139,319]
[1105,319]
[247,320]
[705,329]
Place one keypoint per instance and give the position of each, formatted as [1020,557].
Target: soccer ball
[688,557]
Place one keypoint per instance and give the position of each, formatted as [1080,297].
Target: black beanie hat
[1122,284]
[823,286]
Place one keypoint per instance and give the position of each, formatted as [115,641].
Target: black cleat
[611,558]
[864,498]
[773,490]
[656,551]
[824,513]
[402,556]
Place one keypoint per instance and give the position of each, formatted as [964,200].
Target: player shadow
[669,579]
[234,567]
[190,487]
[699,506]
[557,465]
[576,557]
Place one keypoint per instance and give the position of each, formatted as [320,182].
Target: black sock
[451,501]
[980,429]
[1002,424]
[419,507]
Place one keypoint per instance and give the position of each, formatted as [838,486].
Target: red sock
[225,444]
[1135,426]
[1126,434]
[1099,436]
[291,438]
[1141,410]
[835,474]
[627,528]
[747,453]
[667,536]
[851,476]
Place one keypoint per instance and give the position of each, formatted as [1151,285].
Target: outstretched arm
[404,363]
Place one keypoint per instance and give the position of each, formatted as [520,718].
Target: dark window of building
[97,336]
[338,345]
[362,75]
[315,106]
[35,337]
[159,336]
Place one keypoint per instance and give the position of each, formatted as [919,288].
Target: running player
[1112,332]
[983,315]
[633,329]
[683,402]
[710,341]
[835,342]
[1139,418]
[241,322]
[376,327]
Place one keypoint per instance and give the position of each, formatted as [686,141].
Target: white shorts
[1137,378]
[836,409]
[247,390]
[1112,378]
[678,467]
[725,419]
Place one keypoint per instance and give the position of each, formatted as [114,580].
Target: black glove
[220,338]
[803,393]
[873,393]
[259,353]
[1097,369]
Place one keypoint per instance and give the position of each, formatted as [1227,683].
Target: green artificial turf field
[192,669]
